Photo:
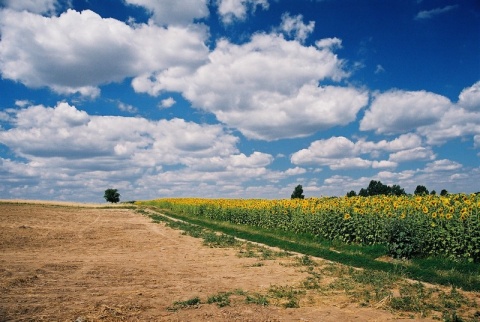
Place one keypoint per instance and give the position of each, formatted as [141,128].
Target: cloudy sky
[237,98]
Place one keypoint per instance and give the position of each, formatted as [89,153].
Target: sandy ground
[79,263]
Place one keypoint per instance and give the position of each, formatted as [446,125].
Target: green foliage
[298,192]
[420,190]
[222,299]
[257,298]
[376,188]
[112,195]
[193,302]
[287,296]
[352,193]
[404,240]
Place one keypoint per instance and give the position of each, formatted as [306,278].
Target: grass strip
[431,270]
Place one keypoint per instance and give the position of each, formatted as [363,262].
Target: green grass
[433,270]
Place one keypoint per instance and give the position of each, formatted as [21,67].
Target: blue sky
[237,98]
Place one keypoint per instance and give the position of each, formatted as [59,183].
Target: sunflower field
[447,226]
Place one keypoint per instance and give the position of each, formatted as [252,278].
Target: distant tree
[443,192]
[420,190]
[396,190]
[377,188]
[363,192]
[298,192]
[351,194]
[433,192]
[112,195]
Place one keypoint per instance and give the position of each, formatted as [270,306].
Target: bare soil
[69,262]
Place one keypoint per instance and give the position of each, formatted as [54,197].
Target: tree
[298,192]
[377,188]
[444,192]
[351,194]
[396,190]
[363,192]
[112,195]
[420,190]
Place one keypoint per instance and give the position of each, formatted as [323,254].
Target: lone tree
[298,192]
[112,195]
[420,190]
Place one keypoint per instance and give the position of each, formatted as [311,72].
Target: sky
[237,98]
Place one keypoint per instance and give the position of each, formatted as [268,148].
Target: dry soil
[67,262]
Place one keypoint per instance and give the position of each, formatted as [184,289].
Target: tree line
[376,188]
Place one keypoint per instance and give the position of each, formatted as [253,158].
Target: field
[68,262]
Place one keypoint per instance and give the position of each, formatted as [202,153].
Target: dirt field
[70,263]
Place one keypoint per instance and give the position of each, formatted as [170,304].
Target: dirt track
[60,263]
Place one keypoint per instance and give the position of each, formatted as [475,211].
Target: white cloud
[454,123]
[127,108]
[174,12]
[65,132]
[35,6]
[231,10]
[295,27]
[428,14]
[419,153]
[384,164]
[295,171]
[403,142]
[342,153]
[78,51]
[329,43]
[399,111]
[72,155]
[469,98]
[266,105]
[442,165]
[458,121]
[167,103]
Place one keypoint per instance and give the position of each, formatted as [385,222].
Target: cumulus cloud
[442,165]
[78,51]
[174,12]
[342,153]
[419,153]
[469,98]
[66,132]
[66,148]
[295,27]
[398,111]
[460,120]
[429,115]
[231,10]
[266,105]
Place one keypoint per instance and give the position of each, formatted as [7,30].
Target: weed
[288,294]
[257,298]
[306,260]
[413,298]
[193,302]
[222,299]
[218,240]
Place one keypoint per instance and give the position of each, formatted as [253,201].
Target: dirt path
[66,263]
